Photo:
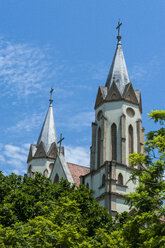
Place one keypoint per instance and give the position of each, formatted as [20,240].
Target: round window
[130,112]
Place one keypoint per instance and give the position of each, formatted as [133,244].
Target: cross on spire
[60,141]
[51,92]
[118,27]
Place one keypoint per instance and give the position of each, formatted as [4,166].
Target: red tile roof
[77,171]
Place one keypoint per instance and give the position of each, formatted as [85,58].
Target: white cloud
[80,120]
[77,155]
[143,72]
[14,158]
[24,69]
[28,123]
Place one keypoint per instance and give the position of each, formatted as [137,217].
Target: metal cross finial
[118,27]
[60,141]
[51,92]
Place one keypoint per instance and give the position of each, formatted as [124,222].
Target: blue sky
[69,45]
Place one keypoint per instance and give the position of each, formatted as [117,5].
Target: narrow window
[130,131]
[56,179]
[99,148]
[120,179]
[51,166]
[114,141]
[103,180]
[46,173]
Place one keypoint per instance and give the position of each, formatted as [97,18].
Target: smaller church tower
[43,154]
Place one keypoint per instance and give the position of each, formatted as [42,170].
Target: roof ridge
[78,165]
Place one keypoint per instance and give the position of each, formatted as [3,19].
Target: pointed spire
[118,71]
[48,131]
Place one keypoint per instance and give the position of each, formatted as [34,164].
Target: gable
[61,168]
[101,94]
[129,94]
[113,93]
[40,153]
[138,94]
[52,151]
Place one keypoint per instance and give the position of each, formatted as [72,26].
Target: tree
[37,213]
[146,228]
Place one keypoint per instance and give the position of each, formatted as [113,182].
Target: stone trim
[120,185]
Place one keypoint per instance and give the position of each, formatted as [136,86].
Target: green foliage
[146,227]
[37,213]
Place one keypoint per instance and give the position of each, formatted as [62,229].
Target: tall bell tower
[116,132]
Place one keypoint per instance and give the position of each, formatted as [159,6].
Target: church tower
[116,132]
[43,154]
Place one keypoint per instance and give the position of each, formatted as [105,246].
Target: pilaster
[123,139]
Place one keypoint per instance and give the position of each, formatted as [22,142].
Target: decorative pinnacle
[51,100]
[118,27]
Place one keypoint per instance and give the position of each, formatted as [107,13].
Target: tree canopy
[37,213]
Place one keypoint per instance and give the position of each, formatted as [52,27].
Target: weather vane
[118,27]
[51,92]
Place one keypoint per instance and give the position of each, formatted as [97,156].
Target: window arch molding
[114,141]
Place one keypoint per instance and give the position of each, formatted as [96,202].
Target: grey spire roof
[48,131]
[118,71]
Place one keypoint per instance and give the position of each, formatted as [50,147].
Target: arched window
[87,185]
[51,166]
[130,134]
[56,179]
[114,141]
[103,180]
[120,179]
[46,173]
[99,147]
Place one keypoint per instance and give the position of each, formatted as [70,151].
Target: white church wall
[102,203]
[95,182]
[40,165]
[113,111]
[121,206]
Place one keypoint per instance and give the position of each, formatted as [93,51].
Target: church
[116,132]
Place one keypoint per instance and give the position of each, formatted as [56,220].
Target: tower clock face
[130,112]
[99,115]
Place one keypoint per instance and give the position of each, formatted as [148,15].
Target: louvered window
[114,141]
[130,131]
